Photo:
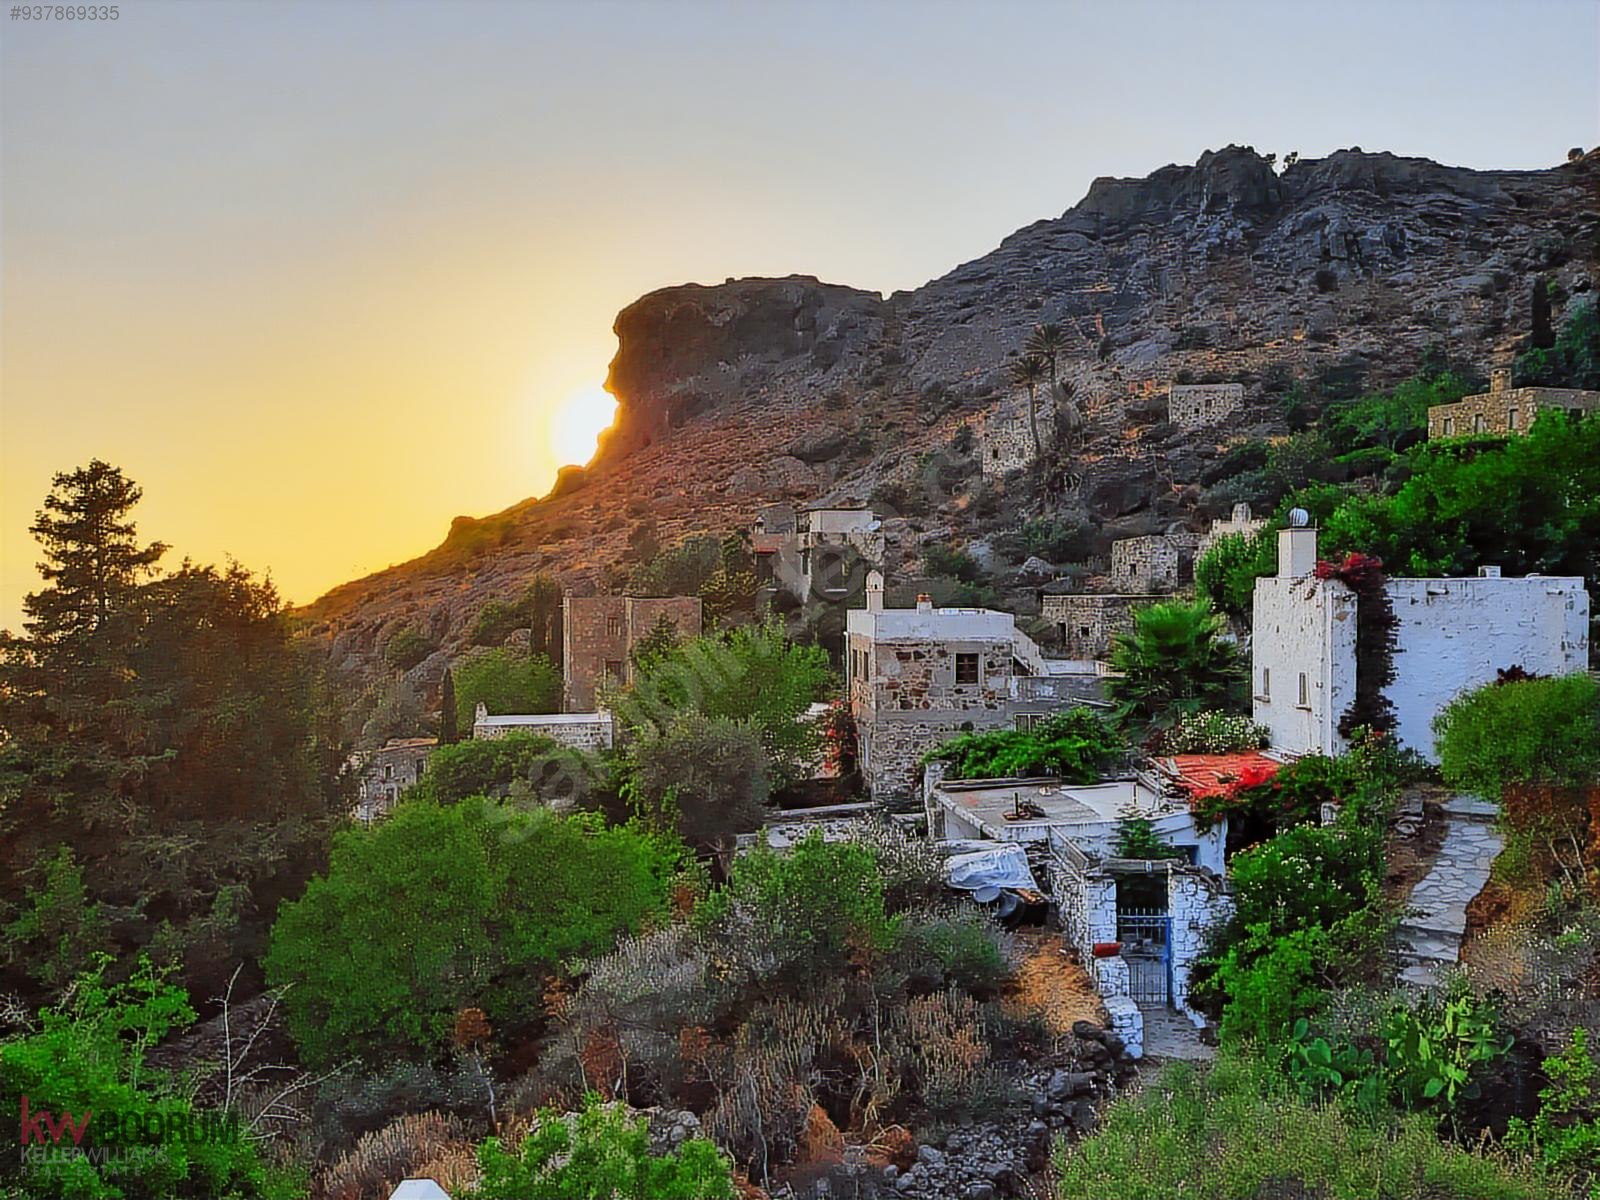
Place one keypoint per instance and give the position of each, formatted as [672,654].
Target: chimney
[1297,552]
[924,603]
[1499,379]
[482,714]
[1488,572]
[874,591]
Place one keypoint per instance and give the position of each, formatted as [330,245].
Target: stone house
[1453,635]
[1505,409]
[1196,405]
[1085,622]
[384,774]
[579,730]
[1240,521]
[600,633]
[918,676]
[1162,562]
[1005,436]
[818,553]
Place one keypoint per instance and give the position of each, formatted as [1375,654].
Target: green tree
[1531,731]
[1047,342]
[751,674]
[407,648]
[87,1058]
[1226,574]
[170,733]
[1174,661]
[60,932]
[449,729]
[1075,745]
[93,561]
[440,908]
[659,641]
[707,776]
[522,767]
[600,1153]
[537,609]
[504,682]
[1574,360]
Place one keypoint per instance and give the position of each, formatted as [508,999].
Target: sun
[577,422]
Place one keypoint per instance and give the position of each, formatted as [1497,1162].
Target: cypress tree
[448,733]
[1544,334]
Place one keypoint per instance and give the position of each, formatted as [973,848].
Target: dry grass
[1050,983]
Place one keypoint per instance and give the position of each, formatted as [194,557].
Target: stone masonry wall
[602,630]
[1193,405]
[1085,622]
[1005,443]
[1195,904]
[1509,411]
[587,734]
[1158,563]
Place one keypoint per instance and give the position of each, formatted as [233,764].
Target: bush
[1226,573]
[951,562]
[1073,745]
[1174,661]
[407,648]
[443,908]
[1528,732]
[1565,1132]
[520,766]
[1238,1129]
[1213,732]
[600,1153]
[504,682]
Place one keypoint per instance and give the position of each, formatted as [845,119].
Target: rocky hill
[755,390]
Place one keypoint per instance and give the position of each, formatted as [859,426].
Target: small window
[388,770]
[614,669]
[966,668]
[421,763]
[1449,426]
[1511,418]
[1266,683]
[1026,721]
[1305,691]
[1083,631]
[1478,425]
[614,627]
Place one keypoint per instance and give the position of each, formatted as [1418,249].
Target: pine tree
[92,557]
[448,732]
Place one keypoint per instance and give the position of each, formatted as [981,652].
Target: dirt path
[1049,982]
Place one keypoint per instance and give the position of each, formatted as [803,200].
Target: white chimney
[874,591]
[1488,572]
[1297,552]
[924,603]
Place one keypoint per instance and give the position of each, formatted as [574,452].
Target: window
[1027,721]
[614,627]
[1478,423]
[1266,683]
[614,670]
[388,770]
[421,763]
[1305,691]
[1511,418]
[1449,426]
[966,668]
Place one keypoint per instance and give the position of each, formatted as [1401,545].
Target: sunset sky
[322,276]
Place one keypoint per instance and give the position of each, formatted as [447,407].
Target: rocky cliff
[761,389]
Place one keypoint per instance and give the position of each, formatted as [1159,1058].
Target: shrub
[951,562]
[1073,745]
[521,765]
[1565,1132]
[407,648]
[1174,661]
[1308,875]
[1213,732]
[504,682]
[1437,1047]
[1532,731]
[1239,1129]
[1226,573]
[962,943]
[599,1153]
[442,908]
[706,777]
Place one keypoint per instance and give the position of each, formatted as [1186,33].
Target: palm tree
[1026,372]
[1047,342]
[1173,661]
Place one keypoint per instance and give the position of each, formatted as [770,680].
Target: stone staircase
[1428,940]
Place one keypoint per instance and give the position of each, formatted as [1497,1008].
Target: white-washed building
[1452,635]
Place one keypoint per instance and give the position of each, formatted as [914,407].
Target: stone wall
[599,634]
[1196,903]
[1240,521]
[1511,410]
[1193,405]
[1005,442]
[585,731]
[1157,563]
[1085,621]
[386,774]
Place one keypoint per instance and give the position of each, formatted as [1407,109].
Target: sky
[321,275]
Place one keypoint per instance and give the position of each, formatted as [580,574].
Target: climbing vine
[1375,642]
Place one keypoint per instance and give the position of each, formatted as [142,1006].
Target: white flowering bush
[1213,732]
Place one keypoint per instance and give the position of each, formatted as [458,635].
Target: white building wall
[1302,627]
[1456,634]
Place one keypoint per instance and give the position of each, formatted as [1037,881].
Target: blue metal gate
[1146,937]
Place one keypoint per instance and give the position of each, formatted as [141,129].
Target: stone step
[1427,944]
[1470,808]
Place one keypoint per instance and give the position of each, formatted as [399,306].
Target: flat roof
[991,801]
[913,624]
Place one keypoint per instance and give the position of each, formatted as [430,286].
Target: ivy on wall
[1375,642]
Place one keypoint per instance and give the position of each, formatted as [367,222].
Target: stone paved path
[1429,937]
[1168,1034]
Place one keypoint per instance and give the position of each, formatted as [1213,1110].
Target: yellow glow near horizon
[576,424]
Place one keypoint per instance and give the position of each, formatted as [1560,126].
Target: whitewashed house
[1452,635]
